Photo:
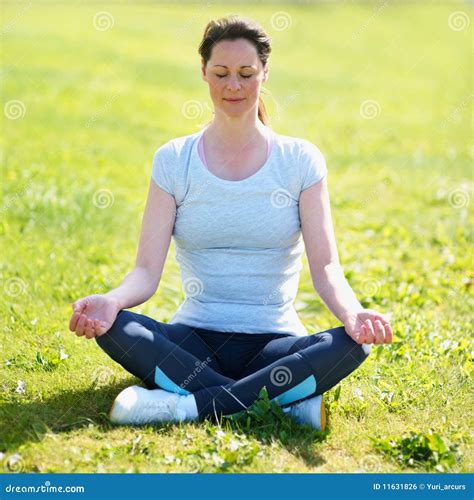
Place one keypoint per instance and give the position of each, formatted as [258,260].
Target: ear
[266,70]
[203,70]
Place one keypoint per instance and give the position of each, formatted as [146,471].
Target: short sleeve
[312,164]
[164,169]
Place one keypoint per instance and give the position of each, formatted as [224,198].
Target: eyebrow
[226,66]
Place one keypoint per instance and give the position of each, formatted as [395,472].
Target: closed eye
[243,76]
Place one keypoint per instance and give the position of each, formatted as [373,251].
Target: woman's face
[234,74]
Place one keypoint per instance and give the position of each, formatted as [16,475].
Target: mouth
[235,100]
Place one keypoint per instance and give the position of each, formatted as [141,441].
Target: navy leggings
[226,371]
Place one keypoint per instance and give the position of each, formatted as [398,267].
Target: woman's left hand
[368,327]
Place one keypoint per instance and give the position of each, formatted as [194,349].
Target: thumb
[79,305]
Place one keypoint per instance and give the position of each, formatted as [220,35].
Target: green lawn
[77,154]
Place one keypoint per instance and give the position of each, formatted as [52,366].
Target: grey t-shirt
[239,243]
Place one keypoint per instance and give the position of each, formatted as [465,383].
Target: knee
[126,332]
[359,352]
[110,336]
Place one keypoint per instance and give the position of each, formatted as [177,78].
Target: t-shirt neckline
[264,167]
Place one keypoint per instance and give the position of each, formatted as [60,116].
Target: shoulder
[169,162]
[298,147]
[176,146]
[305,157]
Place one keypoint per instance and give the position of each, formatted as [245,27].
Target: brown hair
[233,27]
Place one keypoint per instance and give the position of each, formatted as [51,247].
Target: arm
[323,259]
[157,227]
[363,325]
[94,315]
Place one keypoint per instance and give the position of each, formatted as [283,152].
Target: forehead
[234,53]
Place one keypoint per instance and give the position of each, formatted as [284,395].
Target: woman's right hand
[93,315]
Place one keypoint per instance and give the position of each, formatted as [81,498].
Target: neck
[235,132]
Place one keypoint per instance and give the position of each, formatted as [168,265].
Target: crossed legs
[187,360]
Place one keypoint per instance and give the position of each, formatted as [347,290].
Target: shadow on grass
[28,421]
[73,410]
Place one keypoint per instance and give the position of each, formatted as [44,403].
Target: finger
[363,335]
[388,333]
[370,331]
[73,321]
[81,323]
[379,332]
[79,306]
[98,327]
[379,336]
[355,336]
[104,327]
[89,329]
[383,318]
[358,329]
[360,337]
[95,327]
[375,330]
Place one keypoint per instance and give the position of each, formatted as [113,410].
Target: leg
[291,368]
[148,349]
[332,354]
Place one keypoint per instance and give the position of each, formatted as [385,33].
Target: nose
[233,83]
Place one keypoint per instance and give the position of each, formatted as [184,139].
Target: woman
[240,200]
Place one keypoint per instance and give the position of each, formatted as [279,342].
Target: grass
[76,168]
